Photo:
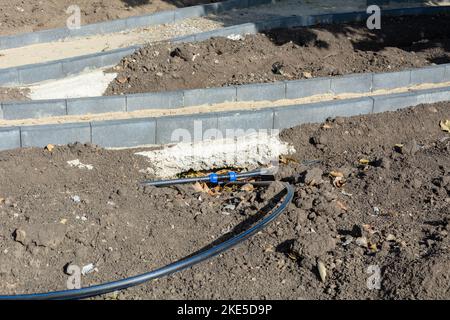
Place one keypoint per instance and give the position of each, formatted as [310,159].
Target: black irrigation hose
[164,271]
[213,178]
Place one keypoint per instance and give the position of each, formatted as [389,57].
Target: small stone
[76,199]
[313,176]
[362,242]
[20,236]
[410,148]
[385,163]
[390,237]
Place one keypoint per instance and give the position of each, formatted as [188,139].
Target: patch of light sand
[90,84]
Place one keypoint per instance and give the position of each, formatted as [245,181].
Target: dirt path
[286,54]
[390,212]
[18,16]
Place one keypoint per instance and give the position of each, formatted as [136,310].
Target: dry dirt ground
[372,193]
[299,53]
[18,16]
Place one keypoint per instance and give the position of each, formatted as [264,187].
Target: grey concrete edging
[162,17]
[137,132]
[58,69]
[293,89]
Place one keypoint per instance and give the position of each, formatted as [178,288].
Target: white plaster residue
[76,163]
[89,84]
[246,152]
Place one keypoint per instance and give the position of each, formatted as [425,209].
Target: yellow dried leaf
[338,182]
[326,126]
[63,221]
[336,174]
[445,125]
[197,187]
[373,247]
[307,75]
[2,200]
[364,161]
[224,171]
[286,160]
[248,187]
[122,79]
[50,147]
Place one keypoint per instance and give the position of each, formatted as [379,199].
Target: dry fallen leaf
[50,147]
[326,126]
[373,247]
[2,200]
[338,182]
[197,187]
[364,161]
[248,187]
[445,125]
[336,174]
[287,160]
[307,75]
[122,79]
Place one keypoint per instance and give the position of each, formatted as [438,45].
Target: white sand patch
[77,164]
[246,152]
[89,84]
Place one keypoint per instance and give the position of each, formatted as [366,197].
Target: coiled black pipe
[164,271]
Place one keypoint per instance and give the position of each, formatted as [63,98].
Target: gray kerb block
[94,105]
[434,74]
[155,100]
[40,72]
[9,76]
[447,72]
[308,87]
[186,128]
[391,80]
[9,138]
[42,135]
[433,95]
[394,102]
[234,124]
[260,92]
[189,12]
[398,101]
[161,17]
[208,96]
[353,83]
[34,109]
[291,116]
[124,133]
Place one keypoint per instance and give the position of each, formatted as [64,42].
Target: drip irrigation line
[173,267]
[212,178]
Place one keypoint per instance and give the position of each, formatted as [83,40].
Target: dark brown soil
[18,16]
[390,212]
[327,50]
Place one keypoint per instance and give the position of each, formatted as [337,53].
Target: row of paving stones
[295,89]
[162,17]
[169,129]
